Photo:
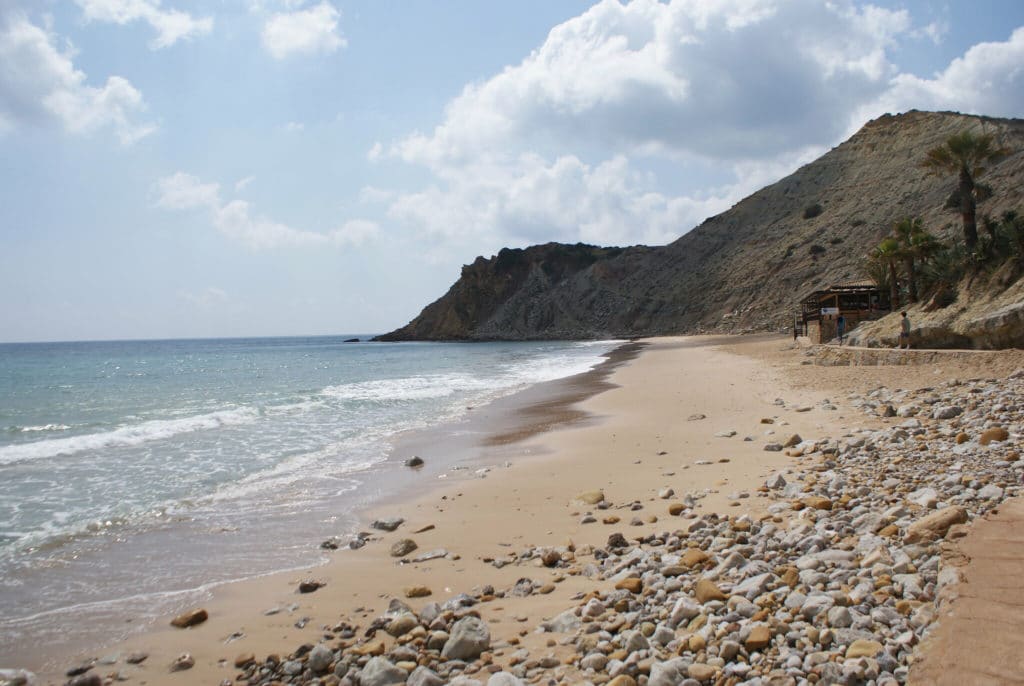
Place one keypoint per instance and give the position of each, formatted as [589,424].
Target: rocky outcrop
[745,269]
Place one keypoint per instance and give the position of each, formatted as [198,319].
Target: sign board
[830,310]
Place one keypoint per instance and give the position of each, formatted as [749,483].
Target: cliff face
[745,269]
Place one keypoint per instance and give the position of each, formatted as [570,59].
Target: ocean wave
[153,430]
[406,388]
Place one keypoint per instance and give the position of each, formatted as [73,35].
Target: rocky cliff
[745,269]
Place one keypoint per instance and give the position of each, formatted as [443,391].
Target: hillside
[745,269]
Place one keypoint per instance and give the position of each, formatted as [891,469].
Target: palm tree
[884,258]
[963,154]
[916,246]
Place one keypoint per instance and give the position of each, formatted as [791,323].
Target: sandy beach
[684,423]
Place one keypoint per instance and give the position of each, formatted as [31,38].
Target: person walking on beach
[904,331]
[841,328]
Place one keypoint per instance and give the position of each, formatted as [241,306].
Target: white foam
[153,430]
[406,388]
[44,427]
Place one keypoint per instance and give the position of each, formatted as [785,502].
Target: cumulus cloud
[303,32]
[171,25]
[236,219]
[729,80]
[40,85]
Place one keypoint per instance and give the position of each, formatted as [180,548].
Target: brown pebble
[632,584]
[190,618]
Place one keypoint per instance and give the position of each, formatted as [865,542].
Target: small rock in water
[183,662]
[330,544]
[136,658]
[190,618]
[79,669]
[414,461]
[310,585]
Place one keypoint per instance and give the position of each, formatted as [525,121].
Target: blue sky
[180,168]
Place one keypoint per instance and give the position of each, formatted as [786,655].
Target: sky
[208,168]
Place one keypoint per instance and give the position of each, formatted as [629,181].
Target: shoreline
[458,439]
[643,440]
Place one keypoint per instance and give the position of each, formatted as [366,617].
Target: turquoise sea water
[134,473]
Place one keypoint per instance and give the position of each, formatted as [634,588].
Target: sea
[136,476]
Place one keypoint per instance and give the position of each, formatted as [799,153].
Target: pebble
[403,547]
[190,618]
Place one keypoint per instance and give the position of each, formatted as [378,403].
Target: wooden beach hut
[856,301]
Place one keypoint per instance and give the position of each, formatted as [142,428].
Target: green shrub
[812,211]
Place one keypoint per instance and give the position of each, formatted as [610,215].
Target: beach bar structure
[856,301]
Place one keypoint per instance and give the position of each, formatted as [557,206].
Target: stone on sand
[190,618]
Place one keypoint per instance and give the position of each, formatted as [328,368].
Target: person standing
[841,328]
[904,330]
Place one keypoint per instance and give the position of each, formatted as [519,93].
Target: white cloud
[236,220]
[309,31]
[242,183]
[40,85]
[727,80]
[171,25]
[294,127]
[988,79]
[372,194]
[183,191]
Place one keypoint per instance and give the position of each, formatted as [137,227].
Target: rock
[424,676]
[416,591]
[863,648]
[925,497]
[617,540]
[430,555]
[310,585]
[79,669]
[935,525]
[729,433]
[403,547]
[773,447]
[564,623]
[182,662]
[676,509]
[190,618]
[997,433]
[707,591]
[759,638]
[946,412]
[817,502]
[622,680]
[320,658]
[380,672]
[469,637]
[693,557]
[775,481]
[632,584]
[990,492]
[244,659]
[505,679]
[792,441]
[696,417]
[136,658]
[414,461]
[550,557]
[701,672]
[80,680]
[402,624]
[387,524]
[591,497]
